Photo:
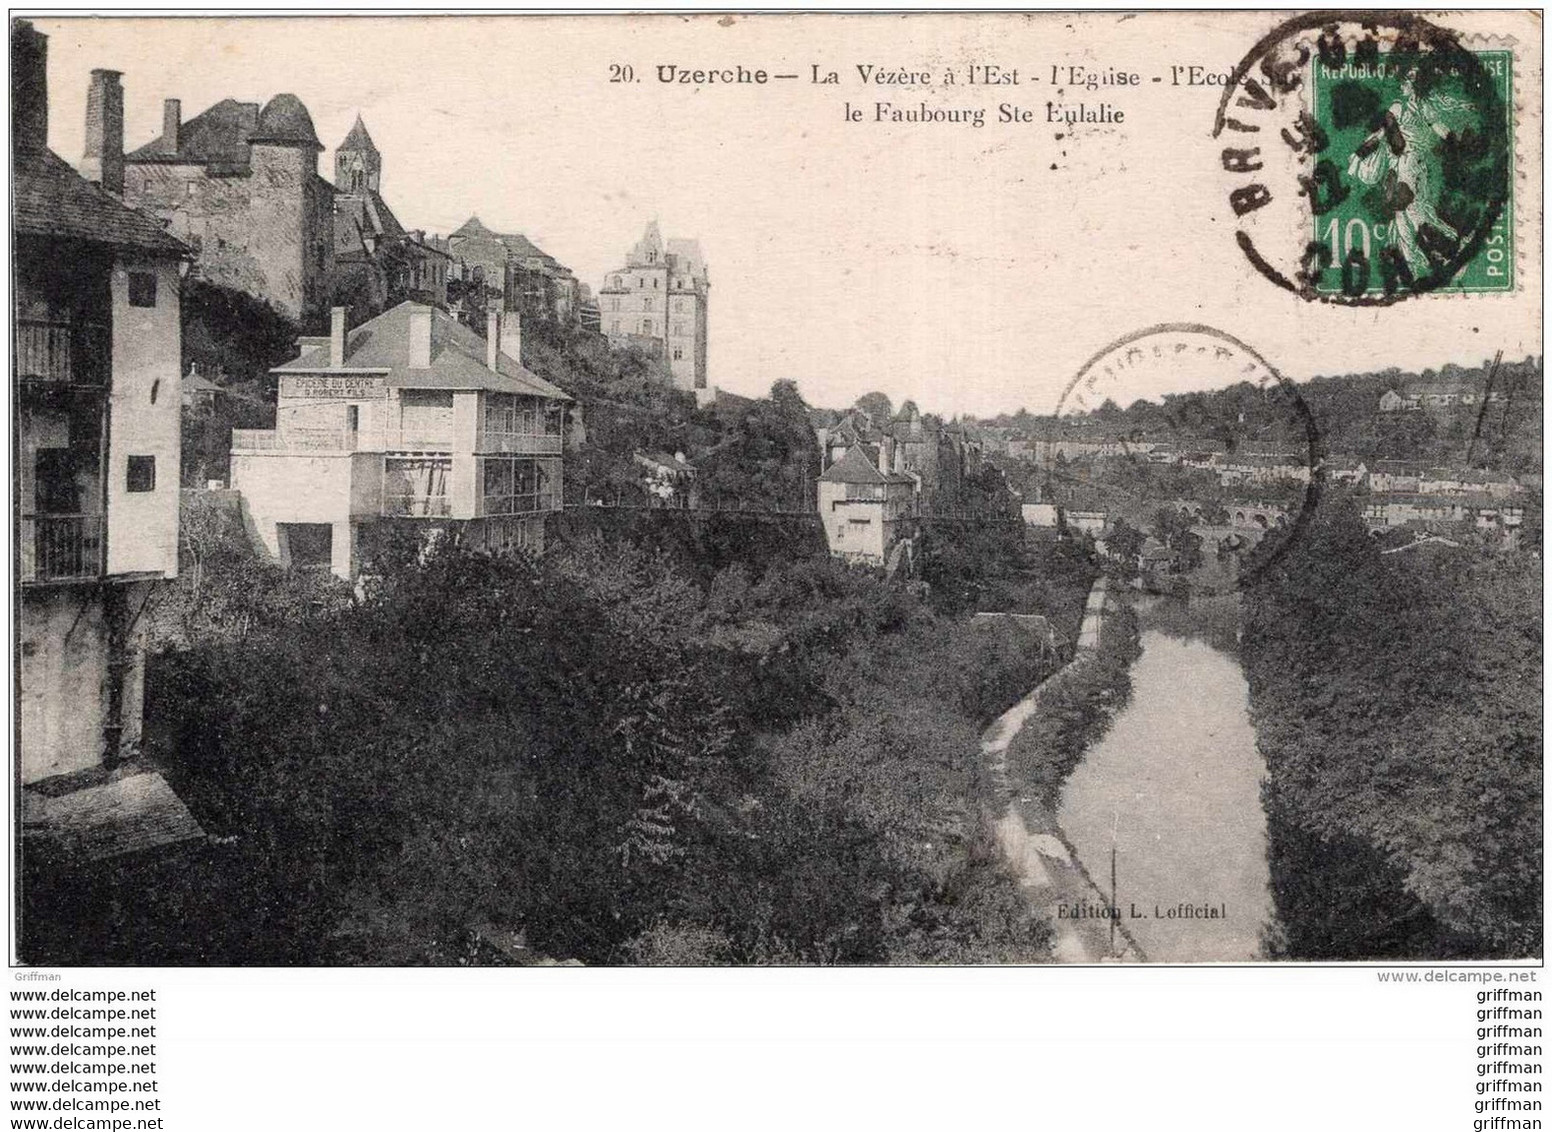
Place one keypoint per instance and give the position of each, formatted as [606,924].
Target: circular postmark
[1369,158]
[1186,457]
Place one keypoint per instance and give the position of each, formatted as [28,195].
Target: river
[1175,786]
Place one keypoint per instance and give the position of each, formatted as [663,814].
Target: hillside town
[310,500]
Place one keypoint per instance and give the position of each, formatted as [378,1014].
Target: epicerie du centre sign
[333,387]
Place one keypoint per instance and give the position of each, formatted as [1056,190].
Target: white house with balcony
[410,417]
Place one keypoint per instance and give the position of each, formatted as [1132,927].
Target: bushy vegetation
[233,340]
[701,545]
[749,453]
[592,753]
[1003,567]
[1397,701]
[1076,709]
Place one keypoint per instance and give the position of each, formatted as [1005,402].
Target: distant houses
[668,479]
[936,456]
[1417,396]
[512,267]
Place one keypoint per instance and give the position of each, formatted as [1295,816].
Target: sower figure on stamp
[1408,137]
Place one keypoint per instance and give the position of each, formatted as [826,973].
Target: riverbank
[1030,750]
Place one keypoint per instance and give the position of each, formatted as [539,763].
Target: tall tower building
[657,300]
[358,167]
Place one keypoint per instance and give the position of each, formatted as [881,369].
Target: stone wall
[269,233]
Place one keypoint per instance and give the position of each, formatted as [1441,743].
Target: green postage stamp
[1423,153]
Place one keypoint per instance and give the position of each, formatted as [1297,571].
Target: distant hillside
[1346,411]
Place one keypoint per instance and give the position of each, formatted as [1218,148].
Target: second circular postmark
[1185,457]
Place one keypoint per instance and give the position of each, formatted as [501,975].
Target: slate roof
[855,467]
[689,253]
[52,199]
[199,383]
[219,136]
[473,229]
[457,357]
[285,120]
[358,138]
[515,243]
[370,217]
[129,811]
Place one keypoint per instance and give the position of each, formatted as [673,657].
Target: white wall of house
[285,487]
[145,420]
[64,665]
[854,529]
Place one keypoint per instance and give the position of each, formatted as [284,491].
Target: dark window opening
[142,474]
[142,289]
[307,546]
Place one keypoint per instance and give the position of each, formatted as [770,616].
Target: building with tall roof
[529,280]
[239,184]
[657,301]
[865,507]
[410,418]
[378,262]
[95,386]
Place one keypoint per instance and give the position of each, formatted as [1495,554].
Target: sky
[971,269]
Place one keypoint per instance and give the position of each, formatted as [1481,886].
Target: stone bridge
[1244,516]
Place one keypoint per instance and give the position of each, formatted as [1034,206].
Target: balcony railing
[519,443]
[292,440]
[417,506]
[405,440]
[527,503]
[339,440]
[61,548]
[62,353]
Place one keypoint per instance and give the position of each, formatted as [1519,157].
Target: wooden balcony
[62,353]
[61,548]
[417,506]
[527,503]
[340,440]
[518,443]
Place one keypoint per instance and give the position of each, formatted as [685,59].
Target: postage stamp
[1416,152]
[1372,159]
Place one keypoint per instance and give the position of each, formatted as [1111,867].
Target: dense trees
[595,754]
[765,456]
[1345,411]
[232,339]
[1397,700]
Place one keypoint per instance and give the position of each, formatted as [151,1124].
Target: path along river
[1174,787]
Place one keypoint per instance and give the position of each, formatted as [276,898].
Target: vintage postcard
[775,489]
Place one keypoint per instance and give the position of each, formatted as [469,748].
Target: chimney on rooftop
[104,158]
[337,338]
[29,86]
[172,124]
[420,337]
[512,335]
[492,336]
